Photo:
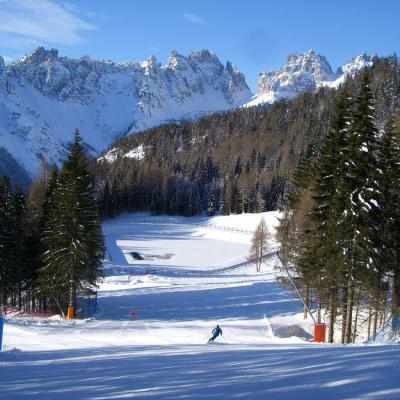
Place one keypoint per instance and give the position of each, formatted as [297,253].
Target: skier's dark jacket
[217,331]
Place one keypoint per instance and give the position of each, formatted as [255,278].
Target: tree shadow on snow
[165,303]
[203,372]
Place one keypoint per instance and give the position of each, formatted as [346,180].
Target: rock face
[303,72]
[44,97]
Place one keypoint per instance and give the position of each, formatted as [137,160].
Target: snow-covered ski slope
[162,353]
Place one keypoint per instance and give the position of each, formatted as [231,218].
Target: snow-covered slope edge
[304,72]
[44,97]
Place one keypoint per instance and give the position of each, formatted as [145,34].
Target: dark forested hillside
[228,162]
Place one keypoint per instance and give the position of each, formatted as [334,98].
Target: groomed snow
[264,352]
[178,242]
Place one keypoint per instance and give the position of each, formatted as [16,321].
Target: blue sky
[255,35]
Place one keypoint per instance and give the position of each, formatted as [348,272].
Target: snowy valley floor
[162,353]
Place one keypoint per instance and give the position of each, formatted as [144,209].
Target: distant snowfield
[162,353]
[179,242]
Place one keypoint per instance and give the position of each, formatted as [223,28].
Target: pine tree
[105,201]
[48,195]
[324,252]
[236,198]
[212,201]
[20,242]
[73,233]
[226,199]
[114,198]
[388,215]
[359,199]
[7,245]
[238,167]
[295,209]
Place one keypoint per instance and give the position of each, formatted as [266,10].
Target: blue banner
[86,306]
[1,331]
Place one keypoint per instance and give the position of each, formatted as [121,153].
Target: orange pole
[319,333]
[70,313]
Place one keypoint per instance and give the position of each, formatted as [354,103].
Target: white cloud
[101,16]
[40,21]
[69,6]
[194,19]
[87,14]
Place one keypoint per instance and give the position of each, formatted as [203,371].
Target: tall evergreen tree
[49,194]
[20,242]
[212,201]
[73,233]
[7,244]
[325,254]
[226,199]
[360,195]
[388,215]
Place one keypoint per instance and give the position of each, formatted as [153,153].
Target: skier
[215,333]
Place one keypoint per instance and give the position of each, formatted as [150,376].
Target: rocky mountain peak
[238,78]
[203,54]
[355,64]
[230,68]
[303,72]
[176,61]
[312,63]
[151,65]
[40,55]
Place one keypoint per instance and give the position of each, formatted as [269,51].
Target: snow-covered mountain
[44,97]
[303,72]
